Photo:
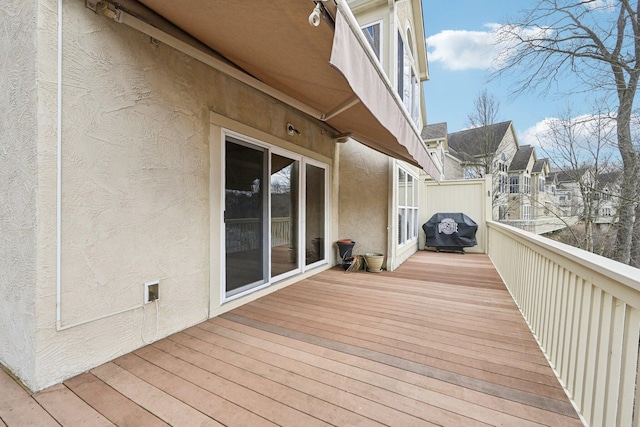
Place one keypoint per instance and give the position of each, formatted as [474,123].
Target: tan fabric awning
[324,69]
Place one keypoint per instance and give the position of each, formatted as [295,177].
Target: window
[373,34]
[514,184]
[526,212]
[503,179]
[541,182]
[407,82]
[407,207]
[526,181]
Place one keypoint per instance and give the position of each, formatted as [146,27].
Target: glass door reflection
[284,214]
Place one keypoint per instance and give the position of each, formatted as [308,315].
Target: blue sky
[458,43]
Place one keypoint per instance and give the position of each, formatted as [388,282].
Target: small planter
[345,247]
[374,261]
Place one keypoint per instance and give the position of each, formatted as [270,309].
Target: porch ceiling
[275,43]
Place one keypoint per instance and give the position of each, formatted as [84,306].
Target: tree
[579,147]
[598,42]
[485,113]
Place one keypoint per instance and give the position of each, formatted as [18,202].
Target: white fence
[584,311]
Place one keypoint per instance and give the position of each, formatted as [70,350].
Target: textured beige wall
[136,181]
[364,198]
[18,171]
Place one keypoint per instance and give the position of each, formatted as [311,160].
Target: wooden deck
[437,342]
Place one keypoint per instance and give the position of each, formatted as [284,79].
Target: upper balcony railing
[584,310]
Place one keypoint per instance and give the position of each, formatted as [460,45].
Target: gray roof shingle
[521,158]
[434,131]
[470,141]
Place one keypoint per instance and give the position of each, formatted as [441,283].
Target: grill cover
[450,230]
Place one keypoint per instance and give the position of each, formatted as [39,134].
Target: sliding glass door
[275,215]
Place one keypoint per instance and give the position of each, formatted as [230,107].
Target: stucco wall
[364,197]
[136,179]
[18,172]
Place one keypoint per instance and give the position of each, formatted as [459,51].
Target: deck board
[68,409]
[437,342]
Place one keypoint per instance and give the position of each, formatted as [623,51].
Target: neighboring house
[607,190]
[435,136]
[481,151]
[577,189]
[192,150]
[541,200]
[519,179]
[520,192]
[568,192]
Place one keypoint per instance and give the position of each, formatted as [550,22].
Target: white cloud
[535,133]
[463,50]
[588,132]
[478,50]
[601,4]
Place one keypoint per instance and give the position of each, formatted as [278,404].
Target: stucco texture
[18,172]
[135,180]
[364,197]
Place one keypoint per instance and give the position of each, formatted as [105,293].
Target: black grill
[450,232]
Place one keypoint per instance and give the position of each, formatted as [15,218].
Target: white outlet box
[151,291]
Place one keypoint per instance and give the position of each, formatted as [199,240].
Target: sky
[459,42]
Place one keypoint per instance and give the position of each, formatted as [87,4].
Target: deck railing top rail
[622,280]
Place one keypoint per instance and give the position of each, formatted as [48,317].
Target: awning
[323,67]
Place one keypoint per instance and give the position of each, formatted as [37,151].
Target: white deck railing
[584,311]
[246,234]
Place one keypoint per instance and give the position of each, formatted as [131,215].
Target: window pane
[284,214]
[406,94]
[410,188]
[400,65]
[315,214]
[514,184]
[244,217]
[415,99]
[402,219]
[373,35]
[402,188]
